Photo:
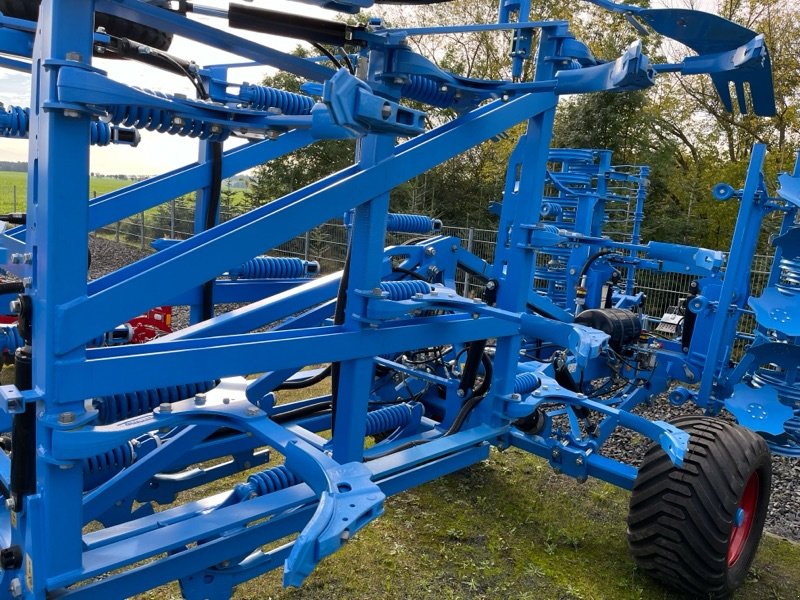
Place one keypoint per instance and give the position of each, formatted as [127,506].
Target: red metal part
[746,512]
[152,324]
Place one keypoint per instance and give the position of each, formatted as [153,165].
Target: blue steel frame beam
[130,368]
[210,253]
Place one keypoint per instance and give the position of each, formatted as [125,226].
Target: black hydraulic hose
[590,261]
[410,273]
[12,287]
[23,434]
[215,189]
[338,319]
[474,358]
[318,408]
[307,382]
[328,54]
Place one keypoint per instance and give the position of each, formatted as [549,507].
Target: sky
[157,152]
[161,152]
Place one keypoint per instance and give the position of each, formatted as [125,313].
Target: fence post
[305,248]
[470,239]
[172,218]
[141,230]
[14,195]
[116,232]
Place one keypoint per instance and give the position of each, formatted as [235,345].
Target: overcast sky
[160,152]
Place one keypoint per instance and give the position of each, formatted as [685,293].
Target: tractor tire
[697,528]
[161,40]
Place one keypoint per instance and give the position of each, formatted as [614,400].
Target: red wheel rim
[743,519]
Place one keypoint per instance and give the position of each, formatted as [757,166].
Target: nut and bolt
[430,251]
[460,393]
[200,399]
[15,588]
[166,407]
[66,417]
[16,258]
[252,411]
[74,56]
[556,453]
[579,461]
[10,504]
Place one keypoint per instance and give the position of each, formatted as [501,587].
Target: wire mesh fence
[327,244]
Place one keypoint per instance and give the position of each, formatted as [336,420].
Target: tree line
[679,127]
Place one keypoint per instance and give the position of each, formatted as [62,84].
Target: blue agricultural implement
[551,357]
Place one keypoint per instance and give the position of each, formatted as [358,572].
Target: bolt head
[166,407]
[10,504]
[252,411]
[460,393]
[66,418]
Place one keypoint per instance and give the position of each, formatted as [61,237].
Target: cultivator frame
[103,433]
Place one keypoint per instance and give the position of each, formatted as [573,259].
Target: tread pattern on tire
[680,520]
[161,40]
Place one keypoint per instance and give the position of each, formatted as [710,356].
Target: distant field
[14,183]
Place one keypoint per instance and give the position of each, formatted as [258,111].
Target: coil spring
[790,395]
[266,482]
[124,406]
[525,383]
[403,290]
[99,469]
[400,223]
[428,91]
[260,97]
[388,418]
[790,276]
[164,121]
[100,133]
[14,121]
[10,339]
[270,267]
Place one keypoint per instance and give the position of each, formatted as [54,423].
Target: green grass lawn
[12,182]
[507,528]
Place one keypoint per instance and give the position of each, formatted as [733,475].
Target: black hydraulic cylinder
[295,26]
[471,365]
[23,435]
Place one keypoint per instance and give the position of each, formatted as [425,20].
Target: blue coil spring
[99,469]
[388,418]
[124,406]
[260,97]
[14,121]
[400,223]
[525,383]
[403,290]
[164,121]
[100,133]
[428,91]
[270,267]
[272,480]
[10,339]
[790,276]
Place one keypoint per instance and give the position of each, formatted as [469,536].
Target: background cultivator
[549,349]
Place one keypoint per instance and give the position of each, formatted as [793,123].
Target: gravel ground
[783,518]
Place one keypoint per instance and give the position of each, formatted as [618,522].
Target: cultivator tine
[732,54]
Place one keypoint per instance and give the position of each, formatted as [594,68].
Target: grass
[505,528]
[12,182]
